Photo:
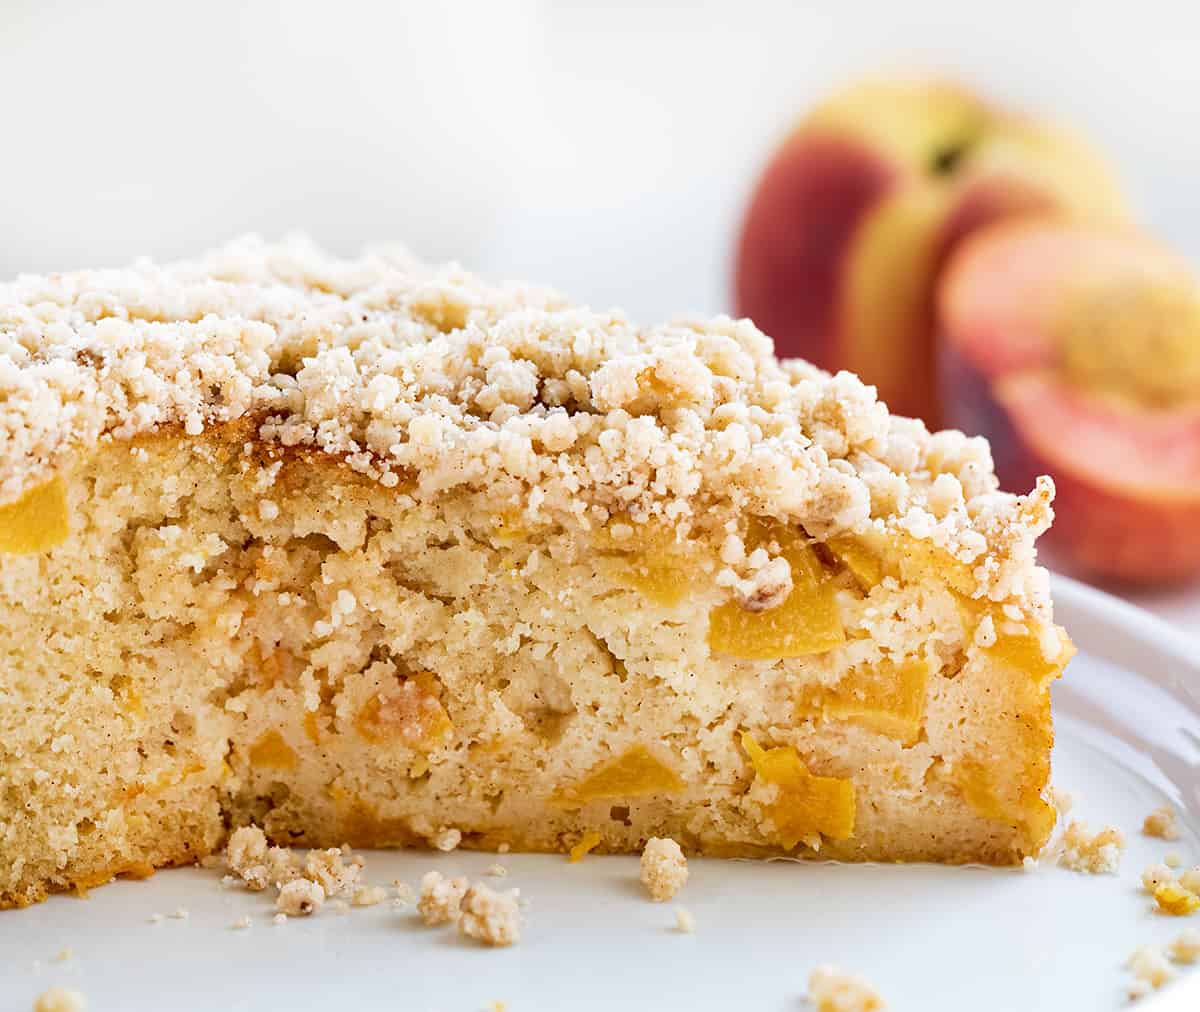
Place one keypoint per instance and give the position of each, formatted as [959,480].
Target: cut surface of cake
[363,551]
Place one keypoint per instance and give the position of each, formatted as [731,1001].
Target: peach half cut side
[1075,349]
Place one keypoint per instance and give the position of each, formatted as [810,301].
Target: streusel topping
[432,379]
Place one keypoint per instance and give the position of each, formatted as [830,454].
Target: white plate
[930,938]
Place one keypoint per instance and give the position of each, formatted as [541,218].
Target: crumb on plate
[664,869]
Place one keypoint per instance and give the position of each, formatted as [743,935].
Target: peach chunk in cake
[366,552]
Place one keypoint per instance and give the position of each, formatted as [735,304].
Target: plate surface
[929,938]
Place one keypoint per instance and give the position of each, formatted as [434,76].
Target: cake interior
[231,632]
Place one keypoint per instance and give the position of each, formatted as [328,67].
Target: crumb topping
[664,869]
[685,921]
[434,378]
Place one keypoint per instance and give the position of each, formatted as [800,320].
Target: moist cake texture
[366,552]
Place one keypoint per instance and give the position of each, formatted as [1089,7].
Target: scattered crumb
[1185,948]
[684,921]
[496,1005]
[664,869]
[258,865]
[440,898]
[280,918]
[1172,859]
[1149,966]
[1190,880]
[489,916]
[156,918]
[497,871]
[1173,899]
[300,897]
[63,955]
[336,871]
[404,893]
[59,999]
[1138,990]
[830,990]
[241,923]
[369,896]
[1029,863]
[1063,801]
[1161,824]
[1092,854]
[446,840]
[228,881]
[181,914]
[1155,875]
[586,844]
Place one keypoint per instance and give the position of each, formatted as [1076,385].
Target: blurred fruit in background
[1075,348]
[857,212]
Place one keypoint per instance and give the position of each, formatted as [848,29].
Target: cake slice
[364,552]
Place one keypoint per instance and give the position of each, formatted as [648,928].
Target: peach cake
[367,552]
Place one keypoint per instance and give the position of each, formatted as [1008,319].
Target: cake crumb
[1093,854]
[1029,863]
[279,918]
[489,916]
[587,843]
[156,918]
[830,990]
[440,898]
[59,999]
[1172,859]
[664,869]
[63,955]
[1190,880]
[496,1005]
[335,870]
[300,897]
[1063,801]
[181,914]
[446,840]
[496,870]
[1186,947]
[1161,824]
[369,896]
[241,923]
[250,858]
[404,892]
[685,923]
[1149,966]
[1156,875]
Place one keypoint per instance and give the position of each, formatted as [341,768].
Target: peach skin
[859,208]
[1075,348]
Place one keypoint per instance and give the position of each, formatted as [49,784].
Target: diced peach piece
[888,698]
[634,774]
[807,622]
[587,843]
[979,789]
[864,564]
[272,751]
[409,713]
[36,522]
[1173,899]
[808,805]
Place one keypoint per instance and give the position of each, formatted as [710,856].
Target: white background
[605,148]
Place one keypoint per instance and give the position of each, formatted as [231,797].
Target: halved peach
[854,217]
[1076,350]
